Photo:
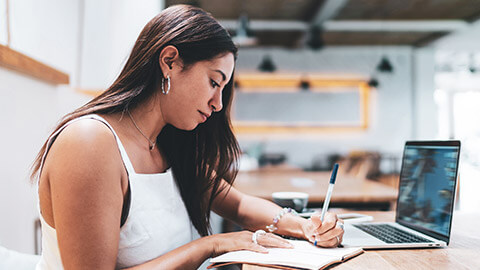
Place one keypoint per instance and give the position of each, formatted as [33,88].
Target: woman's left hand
[328,233]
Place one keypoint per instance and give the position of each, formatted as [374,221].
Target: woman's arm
[193,254]
[84,169]
[255,213]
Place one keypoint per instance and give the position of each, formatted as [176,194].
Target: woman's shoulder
[87,132]
[85,142]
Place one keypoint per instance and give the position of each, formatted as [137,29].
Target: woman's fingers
[315,226]
[329,235]
[244,240]
[329,222]
[326,233]
[272,240]
[257,248]
[332,237]
[264,240]
[333,242]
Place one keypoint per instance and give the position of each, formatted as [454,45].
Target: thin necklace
[151,144]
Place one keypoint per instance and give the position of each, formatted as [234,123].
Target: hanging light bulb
[385,65]
[304,85]
[471,65]
[373,82]
[267,64]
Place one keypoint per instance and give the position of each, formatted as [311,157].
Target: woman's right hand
[226,242]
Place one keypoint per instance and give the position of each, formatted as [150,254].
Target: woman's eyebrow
[223,74]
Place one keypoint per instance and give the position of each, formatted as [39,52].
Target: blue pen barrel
[334,174]
[329,191]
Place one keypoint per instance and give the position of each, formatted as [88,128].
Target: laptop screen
[427,187]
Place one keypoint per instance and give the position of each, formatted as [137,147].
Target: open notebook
[303,256]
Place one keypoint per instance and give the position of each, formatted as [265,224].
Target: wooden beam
[268,25]
[19,62]
[355,25]
[395,26]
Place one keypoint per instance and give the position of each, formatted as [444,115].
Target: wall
[109,31]
[44,30]
[425,111]
[391,104]
[88,39]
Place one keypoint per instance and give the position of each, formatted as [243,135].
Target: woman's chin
[187,127]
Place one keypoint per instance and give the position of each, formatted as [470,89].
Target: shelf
[286,97]
[21,63]
[293,82]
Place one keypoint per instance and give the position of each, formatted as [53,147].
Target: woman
[129,175]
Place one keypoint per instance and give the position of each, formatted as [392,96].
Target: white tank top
[157,223]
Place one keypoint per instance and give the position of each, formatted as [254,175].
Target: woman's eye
[214,84]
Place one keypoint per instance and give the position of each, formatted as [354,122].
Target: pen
[330,190]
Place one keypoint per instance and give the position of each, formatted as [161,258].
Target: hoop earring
[168,85]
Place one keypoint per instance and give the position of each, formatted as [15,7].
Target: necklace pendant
[151,144]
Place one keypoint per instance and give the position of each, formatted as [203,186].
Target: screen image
[427,186]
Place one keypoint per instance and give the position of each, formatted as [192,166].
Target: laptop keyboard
[390,234]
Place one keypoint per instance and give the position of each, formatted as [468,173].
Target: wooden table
[349,191]
[463,251]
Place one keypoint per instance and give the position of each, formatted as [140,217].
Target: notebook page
[303,255]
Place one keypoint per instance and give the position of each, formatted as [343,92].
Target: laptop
[425,200]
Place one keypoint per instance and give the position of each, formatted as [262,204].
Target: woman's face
[196,92]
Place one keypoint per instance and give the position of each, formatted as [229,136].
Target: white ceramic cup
[294,200]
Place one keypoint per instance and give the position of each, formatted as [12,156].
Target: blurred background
[317,82]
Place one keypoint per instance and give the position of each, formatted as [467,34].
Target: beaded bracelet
[273,227]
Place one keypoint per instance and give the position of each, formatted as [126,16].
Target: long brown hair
[201,158]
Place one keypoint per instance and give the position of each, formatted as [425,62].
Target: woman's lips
[204,116]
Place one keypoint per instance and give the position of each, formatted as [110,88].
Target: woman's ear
[167,57]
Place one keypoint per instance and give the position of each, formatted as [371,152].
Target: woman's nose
[216,101]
